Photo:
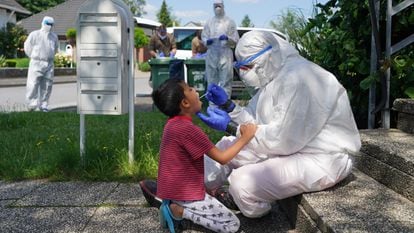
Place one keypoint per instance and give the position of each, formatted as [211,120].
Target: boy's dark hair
[168,96]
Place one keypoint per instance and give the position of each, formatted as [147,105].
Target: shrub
[144,66]
[22,62]
[62,60]
[71,35]
[11,63]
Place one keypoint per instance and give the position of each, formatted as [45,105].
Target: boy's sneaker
[31,108]
[44,109]
[222,195]
[149,189]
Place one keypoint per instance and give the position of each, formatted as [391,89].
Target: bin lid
[195,61]
[156,61]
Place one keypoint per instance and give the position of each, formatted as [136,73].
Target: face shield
[267,55]
[250,72]
[47,23]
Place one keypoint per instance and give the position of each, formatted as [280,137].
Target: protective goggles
[48,23]
[246,64]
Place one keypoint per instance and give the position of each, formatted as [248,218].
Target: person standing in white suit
[220,35]
[40,46]
[306,129]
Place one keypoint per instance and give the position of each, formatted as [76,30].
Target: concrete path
[42,206]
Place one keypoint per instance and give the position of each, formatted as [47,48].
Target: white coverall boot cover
[41,47]
[305,129]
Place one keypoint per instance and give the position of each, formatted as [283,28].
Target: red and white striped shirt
[181,162]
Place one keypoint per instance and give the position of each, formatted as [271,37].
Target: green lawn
[36,145]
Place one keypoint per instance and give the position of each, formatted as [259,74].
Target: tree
[343,46]
[12,38]
[164,15]
[36,6]
[246,22]
[136,6]
[140,39]
[293,24]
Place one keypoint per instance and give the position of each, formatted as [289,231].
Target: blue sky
[260,12]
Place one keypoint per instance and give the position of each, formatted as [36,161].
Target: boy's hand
[247,131]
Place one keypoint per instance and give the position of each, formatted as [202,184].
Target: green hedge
[18,62]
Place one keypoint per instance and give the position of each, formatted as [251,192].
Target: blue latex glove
[223,37]
[200,55]
[216,94]
[209,41]
[171,55]
[215,118]
[161,54]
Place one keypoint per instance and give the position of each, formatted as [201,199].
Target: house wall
[4,16]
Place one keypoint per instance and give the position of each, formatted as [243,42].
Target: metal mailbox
[104,49]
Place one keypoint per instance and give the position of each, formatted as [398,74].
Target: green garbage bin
[196,70]
[159,71]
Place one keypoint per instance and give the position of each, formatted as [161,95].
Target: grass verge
[36,145]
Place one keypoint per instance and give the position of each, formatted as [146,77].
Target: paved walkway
[42,206]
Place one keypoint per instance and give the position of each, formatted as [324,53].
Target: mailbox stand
[105,70]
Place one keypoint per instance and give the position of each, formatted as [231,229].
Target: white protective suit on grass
[41,47]
[305,129]
[219,58]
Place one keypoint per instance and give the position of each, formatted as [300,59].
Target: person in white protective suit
[40,46]
[306,128]
[220,35]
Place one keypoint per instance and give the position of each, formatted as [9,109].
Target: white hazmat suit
[220,35]
[41,47]
[306,128]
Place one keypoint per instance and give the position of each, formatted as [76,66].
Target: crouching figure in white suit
[306,128]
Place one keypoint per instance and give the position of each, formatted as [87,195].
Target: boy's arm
[223,157]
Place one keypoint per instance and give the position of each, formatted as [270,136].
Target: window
[183,38]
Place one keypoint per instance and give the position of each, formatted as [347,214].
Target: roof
[193,24]
[14,6]
[64,15]
[147,22]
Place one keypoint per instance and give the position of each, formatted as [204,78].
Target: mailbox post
[105,66]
